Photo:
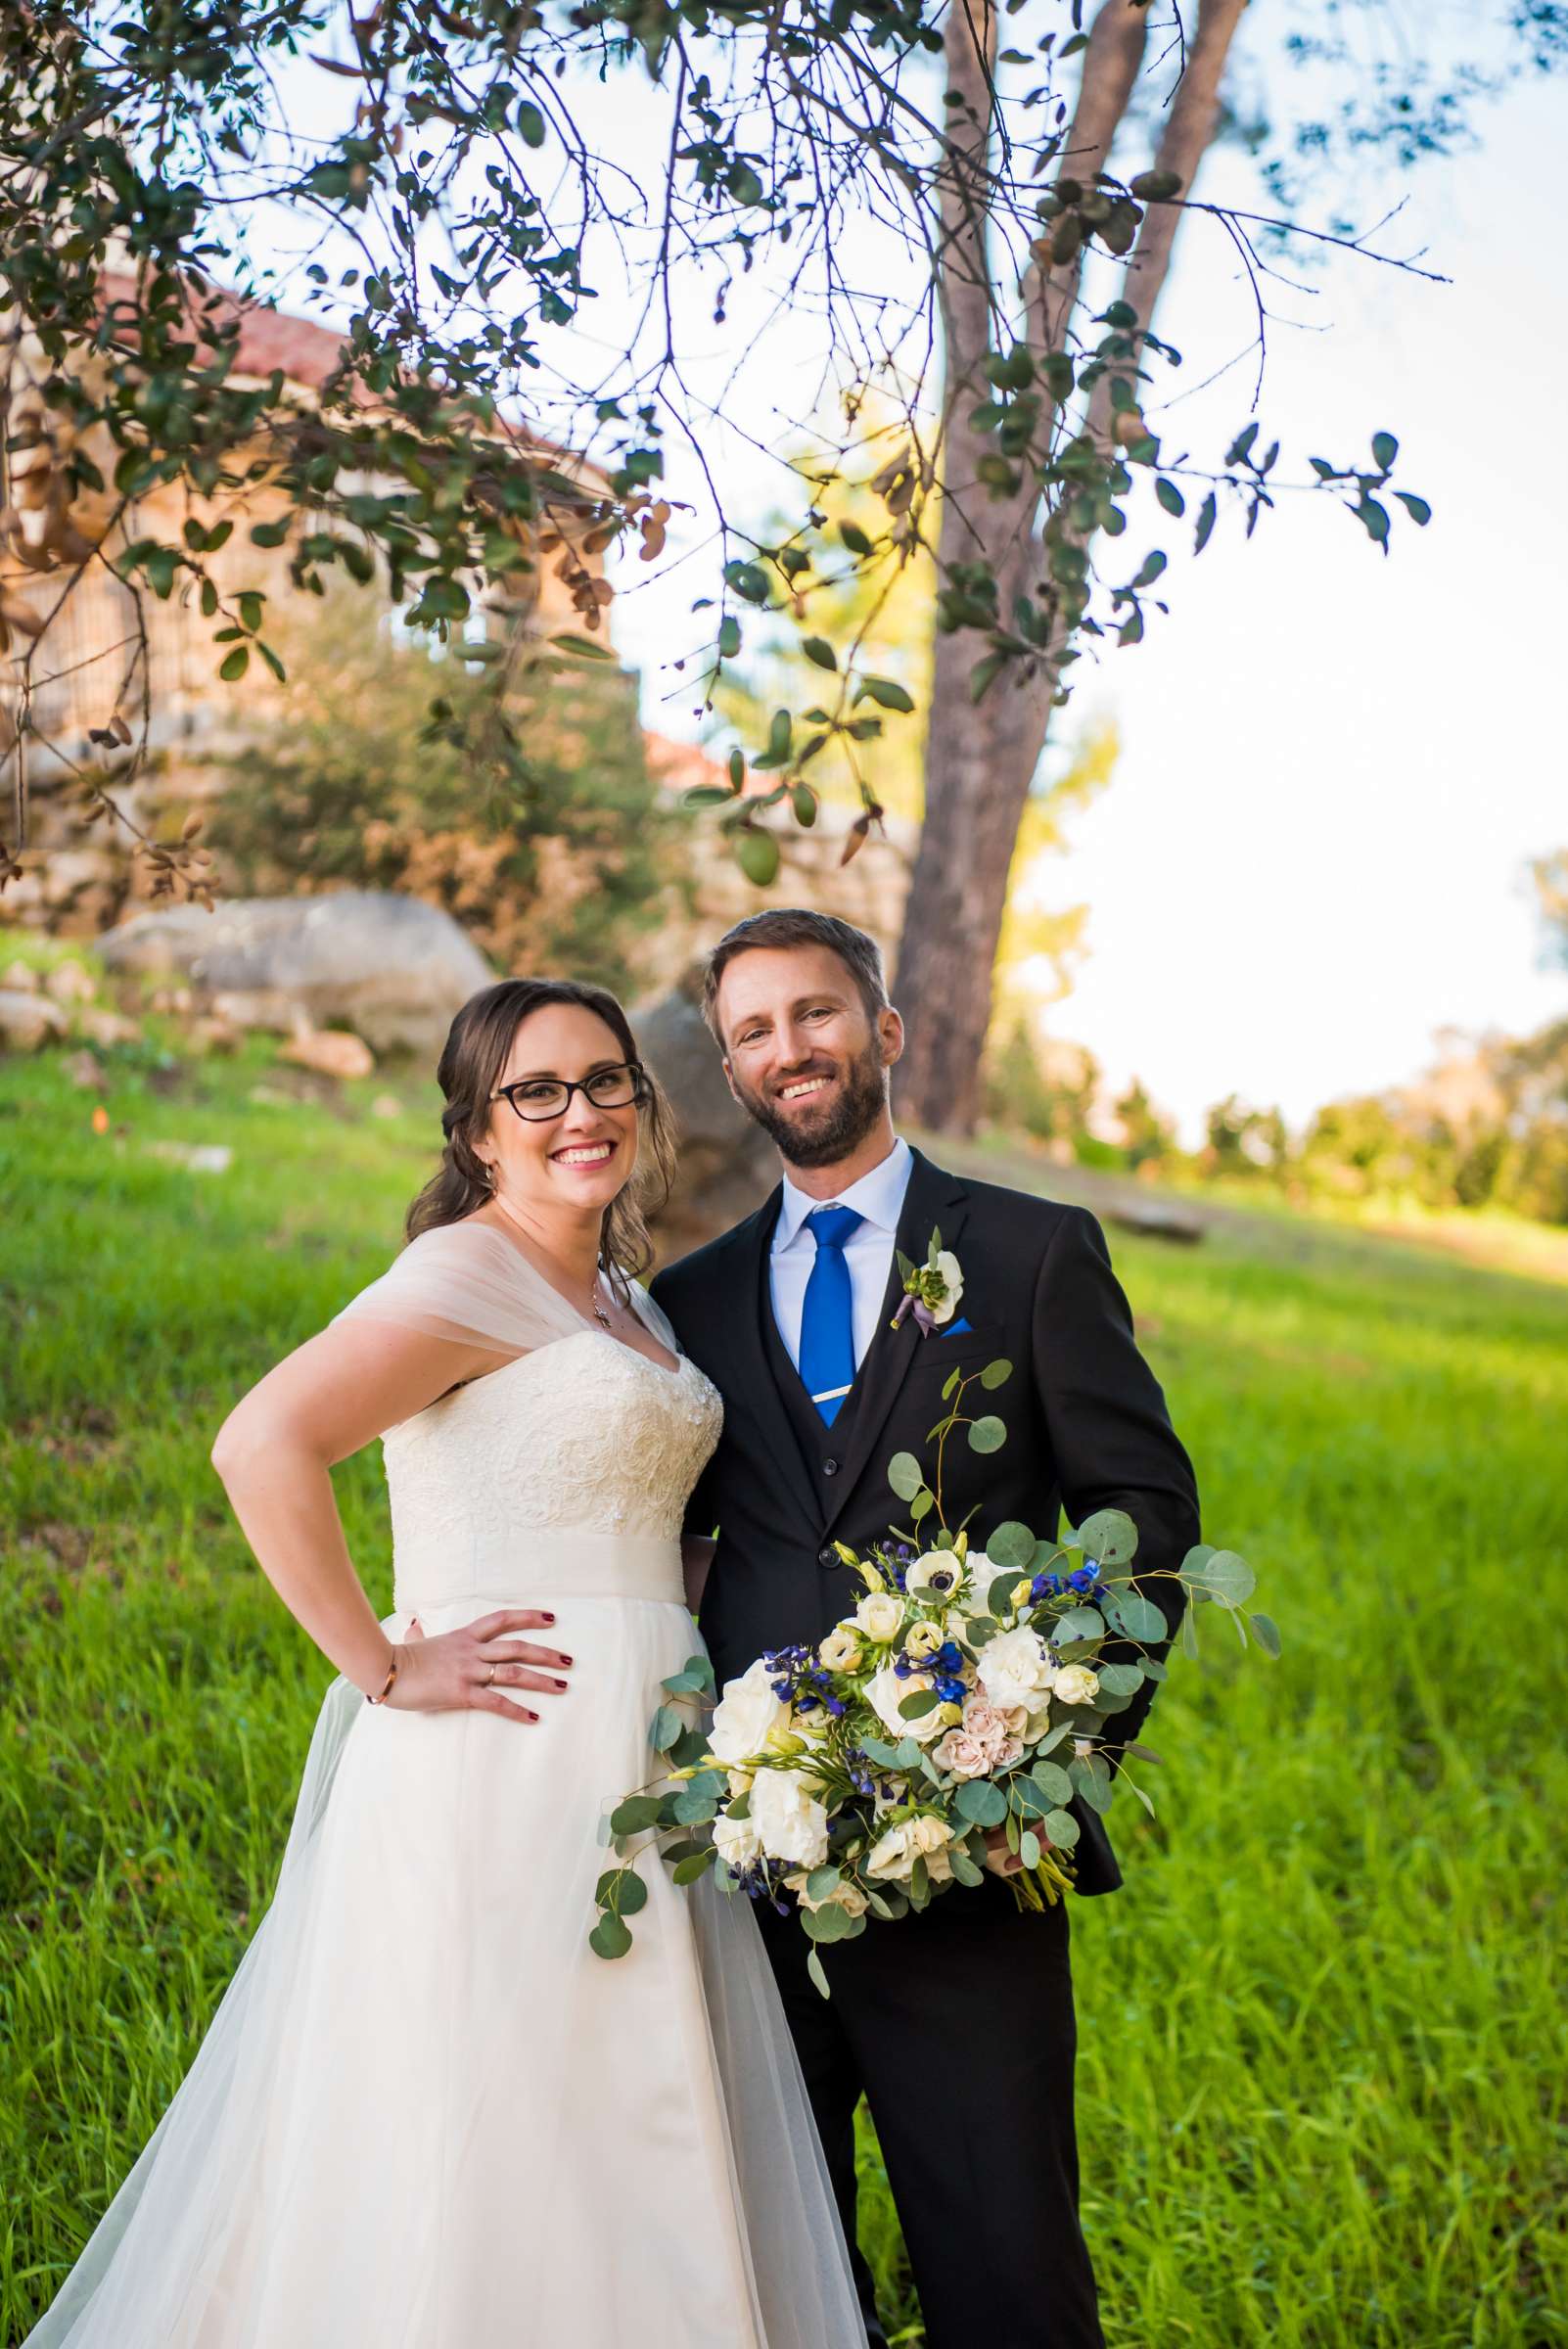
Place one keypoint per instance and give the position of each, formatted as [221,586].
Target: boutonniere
[932,1290]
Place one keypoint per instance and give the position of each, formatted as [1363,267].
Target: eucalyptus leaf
[916,1707]
[697,1863]
[637,1812]
[1062,1828]
[1141,1619]
[963,1868]
[666,1727]
[997,1374]
[986,1435]
[1053,1781]
[1119,1680]
[1110,1538]
[1228,1578]
[1029,1847]
[609,1938]
[979,1800]
[905,1475]
[814,1966]
[1011,1546]
[1267,1634]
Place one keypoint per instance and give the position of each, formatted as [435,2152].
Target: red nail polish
[549,1619]
[565,1659]
[560,1683]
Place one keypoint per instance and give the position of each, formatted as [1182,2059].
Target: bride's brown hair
[470,1069]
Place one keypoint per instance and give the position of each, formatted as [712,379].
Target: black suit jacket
[1087,1423]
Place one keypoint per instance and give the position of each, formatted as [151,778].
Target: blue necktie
[827,1317]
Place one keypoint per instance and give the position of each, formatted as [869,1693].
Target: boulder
[330,1051]
[27,1021]
[392,968]
[728,1165]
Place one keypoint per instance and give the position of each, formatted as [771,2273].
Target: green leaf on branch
[987,1434]
[687,1870]
[666,1727]
[1170,496]
[1385,449]
[756,854]
[887,694]
[1053,1781]
[916,1707]
[1227,1578]
[997,1374]
[1141,1619]
[905,1475]
[977,1799]
[1110,1538]
[637,1812]
[609,1938]
[1266,1631]
[1062,1830]
[819,649]
[814,1966]
[1011,1546]
[580,648]
[1419,511]
[235,664]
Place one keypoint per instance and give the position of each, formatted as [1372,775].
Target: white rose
[894,1855]
[847,1896]
[736,1842]
[745,1716]
[1015,1670]
[879,1615]
[789,1821]
[976,1589]
[885,1693]
[938,1570]
[947,1266]
[1076,1684]
[840,1651]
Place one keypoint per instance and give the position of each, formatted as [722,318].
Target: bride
[425,2113]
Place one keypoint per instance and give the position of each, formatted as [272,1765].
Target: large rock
[27,1021]
[728,1165]
[392,968]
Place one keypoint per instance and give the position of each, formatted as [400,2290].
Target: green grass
[1322,2096]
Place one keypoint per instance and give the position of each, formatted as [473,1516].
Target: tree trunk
[980,760]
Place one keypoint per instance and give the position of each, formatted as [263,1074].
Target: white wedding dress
[426,2115]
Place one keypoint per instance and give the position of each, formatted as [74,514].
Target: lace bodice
[582,1437]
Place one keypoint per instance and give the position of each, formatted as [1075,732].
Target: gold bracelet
[386,1686]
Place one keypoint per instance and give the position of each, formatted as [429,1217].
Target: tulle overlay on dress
[426,2115]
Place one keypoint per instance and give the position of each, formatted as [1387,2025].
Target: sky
[1335,766]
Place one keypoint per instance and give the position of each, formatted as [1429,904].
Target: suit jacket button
[830,1467]
[827,1557]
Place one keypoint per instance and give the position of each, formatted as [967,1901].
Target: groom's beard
[823,1130]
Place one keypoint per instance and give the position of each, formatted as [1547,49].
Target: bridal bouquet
[961,1707]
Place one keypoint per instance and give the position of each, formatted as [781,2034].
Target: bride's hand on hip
[473,1667]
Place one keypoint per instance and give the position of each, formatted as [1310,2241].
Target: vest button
[827,1557]
[830,1467]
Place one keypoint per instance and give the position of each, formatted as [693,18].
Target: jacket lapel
[934,1200]
[753,1374]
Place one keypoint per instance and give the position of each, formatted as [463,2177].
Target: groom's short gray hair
[783,926]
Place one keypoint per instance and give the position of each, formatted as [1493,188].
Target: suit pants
[957,2026]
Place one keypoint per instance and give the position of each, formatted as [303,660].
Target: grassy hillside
[1322,2068]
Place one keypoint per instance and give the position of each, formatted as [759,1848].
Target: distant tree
[553,849]
[1148,1135]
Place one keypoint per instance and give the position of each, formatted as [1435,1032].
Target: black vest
[822,1447]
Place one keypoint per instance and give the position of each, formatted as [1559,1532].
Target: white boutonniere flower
[932,1290]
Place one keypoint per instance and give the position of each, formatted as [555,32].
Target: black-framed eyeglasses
[539,1098]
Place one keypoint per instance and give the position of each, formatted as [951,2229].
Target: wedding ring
[489,1676]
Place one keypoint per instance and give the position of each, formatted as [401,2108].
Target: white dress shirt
[878,1199]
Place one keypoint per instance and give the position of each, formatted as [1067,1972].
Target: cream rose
[788,1819]
[879,1615]
[1015,1670]
[747,1716]
[840,1651]
[923,1641]
[1076,1684]
[894,1855]
[885,1693]
[736,1842]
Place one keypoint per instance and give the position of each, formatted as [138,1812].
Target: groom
[957,2024]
